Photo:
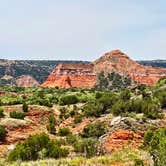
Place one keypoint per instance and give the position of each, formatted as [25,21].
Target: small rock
[116,121]
[11,147]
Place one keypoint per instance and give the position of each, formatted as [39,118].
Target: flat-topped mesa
[71,75]
[117,61]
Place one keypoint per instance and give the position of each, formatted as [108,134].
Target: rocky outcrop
[126,131]
[71,75]
[117,61]
[120,139]
[26,81]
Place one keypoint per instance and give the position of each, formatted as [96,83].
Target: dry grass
[125,157]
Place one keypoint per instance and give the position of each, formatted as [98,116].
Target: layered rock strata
[71,75]
[117,61]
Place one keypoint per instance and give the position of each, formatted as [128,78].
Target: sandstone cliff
[71,75]
[117,61]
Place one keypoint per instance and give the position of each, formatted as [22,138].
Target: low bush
[161,95]
[93,109]
[138,162]
[94,130]
[64,113]
[2,133]
[64,131]
[125,95]
[151,109]
[68,99]
[77,119]
[108,100]
[148,106]
[71,139]
[17,115]
[35,146]
[25,107]
[155,143]
[1,113]
[121,108]
[98,95]
[51,125]
[86,146]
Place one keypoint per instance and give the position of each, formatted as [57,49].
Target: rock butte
[71,75]
[84,75]
[119,62]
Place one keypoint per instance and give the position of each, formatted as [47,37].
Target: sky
[82,29]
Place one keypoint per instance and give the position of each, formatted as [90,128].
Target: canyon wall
[71,75]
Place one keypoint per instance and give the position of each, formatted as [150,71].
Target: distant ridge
[10,70]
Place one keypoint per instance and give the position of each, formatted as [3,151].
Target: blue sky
[82,29]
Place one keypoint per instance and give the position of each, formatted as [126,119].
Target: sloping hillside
[38,69]
[119,62]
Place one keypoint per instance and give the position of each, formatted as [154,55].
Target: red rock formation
[26,81]
[121,138]
[71,75]
[84,75]
[119,62]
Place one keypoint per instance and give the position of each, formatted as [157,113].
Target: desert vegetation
[84,125]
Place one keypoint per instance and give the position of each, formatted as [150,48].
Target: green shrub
[108,100]
[125,95]
[94,130]
[77,119]
[161,95]
[34,146]
[64,113]
[71,139]
[45,102]
[56,151]
[137,105]
[64,131]
[2,133]
[121,107]
[51,125]
[1,113]
[138,162]
[98,95]
[155,143]
[87,146]
[93,109]
[68,99]
[151,109]
[17,115]
[25,107]
[147,137]
[101,105]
